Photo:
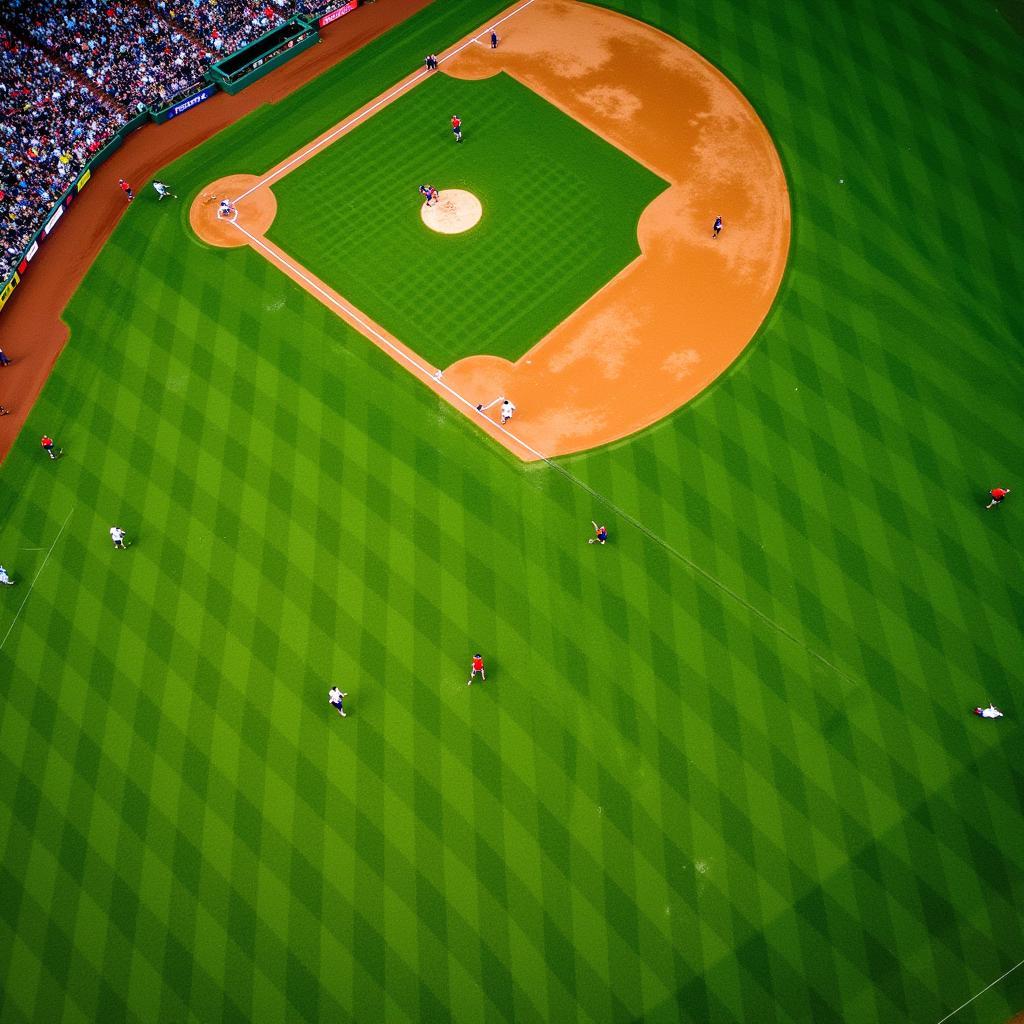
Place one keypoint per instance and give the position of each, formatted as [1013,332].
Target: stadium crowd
[73,71]
[223,25]
[50,125]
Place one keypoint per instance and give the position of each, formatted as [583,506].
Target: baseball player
[477,666]
[49,447]
[5,580]
[457,127]
[717,229]
[225,209]
[990,712]
[998,494]
[507,409]
[125,188]
[336,698]
[428,192]
[163,191]
[600,534]
[117,536]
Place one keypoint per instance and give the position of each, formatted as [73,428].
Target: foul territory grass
[560,204]
[723,770]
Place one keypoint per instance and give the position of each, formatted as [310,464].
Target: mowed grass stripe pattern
[657,806]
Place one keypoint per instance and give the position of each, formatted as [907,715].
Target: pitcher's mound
[456,210]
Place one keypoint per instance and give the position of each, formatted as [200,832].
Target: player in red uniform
[478,666]
[125,188]
[457,127]
[600,534]
[998,493]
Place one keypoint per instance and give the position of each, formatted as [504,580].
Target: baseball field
[723,768]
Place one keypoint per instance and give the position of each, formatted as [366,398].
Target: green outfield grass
[561,208]
[722,770]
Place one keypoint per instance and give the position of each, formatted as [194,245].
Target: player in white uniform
[990,712]
[336,697]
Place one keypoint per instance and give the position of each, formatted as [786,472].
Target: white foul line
[371,330]
[33,583]
[982,992]
[298,158]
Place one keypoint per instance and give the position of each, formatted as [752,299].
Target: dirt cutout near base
[214,225]
[681,313]
[455,211]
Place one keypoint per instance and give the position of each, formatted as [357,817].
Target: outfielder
[477,665]
[162,190]
[337,700]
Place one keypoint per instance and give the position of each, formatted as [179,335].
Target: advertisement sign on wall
[338,12]
[193,101]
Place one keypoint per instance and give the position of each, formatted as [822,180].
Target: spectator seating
[50,126]
[73,71]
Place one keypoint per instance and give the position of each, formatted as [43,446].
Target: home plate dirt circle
[455,211]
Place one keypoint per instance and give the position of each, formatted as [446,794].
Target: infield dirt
[680,314]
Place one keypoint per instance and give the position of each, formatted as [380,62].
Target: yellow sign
[8,288]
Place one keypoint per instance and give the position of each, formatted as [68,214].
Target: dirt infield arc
[673,320]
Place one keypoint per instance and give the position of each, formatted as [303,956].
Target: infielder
[162,190]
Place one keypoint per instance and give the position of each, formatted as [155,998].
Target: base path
[680,314]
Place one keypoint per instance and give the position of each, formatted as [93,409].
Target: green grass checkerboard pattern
[659,806]
[352,216]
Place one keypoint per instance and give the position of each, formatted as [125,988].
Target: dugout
[252,62]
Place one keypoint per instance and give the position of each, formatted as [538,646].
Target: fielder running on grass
[477,666]
[337,698]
